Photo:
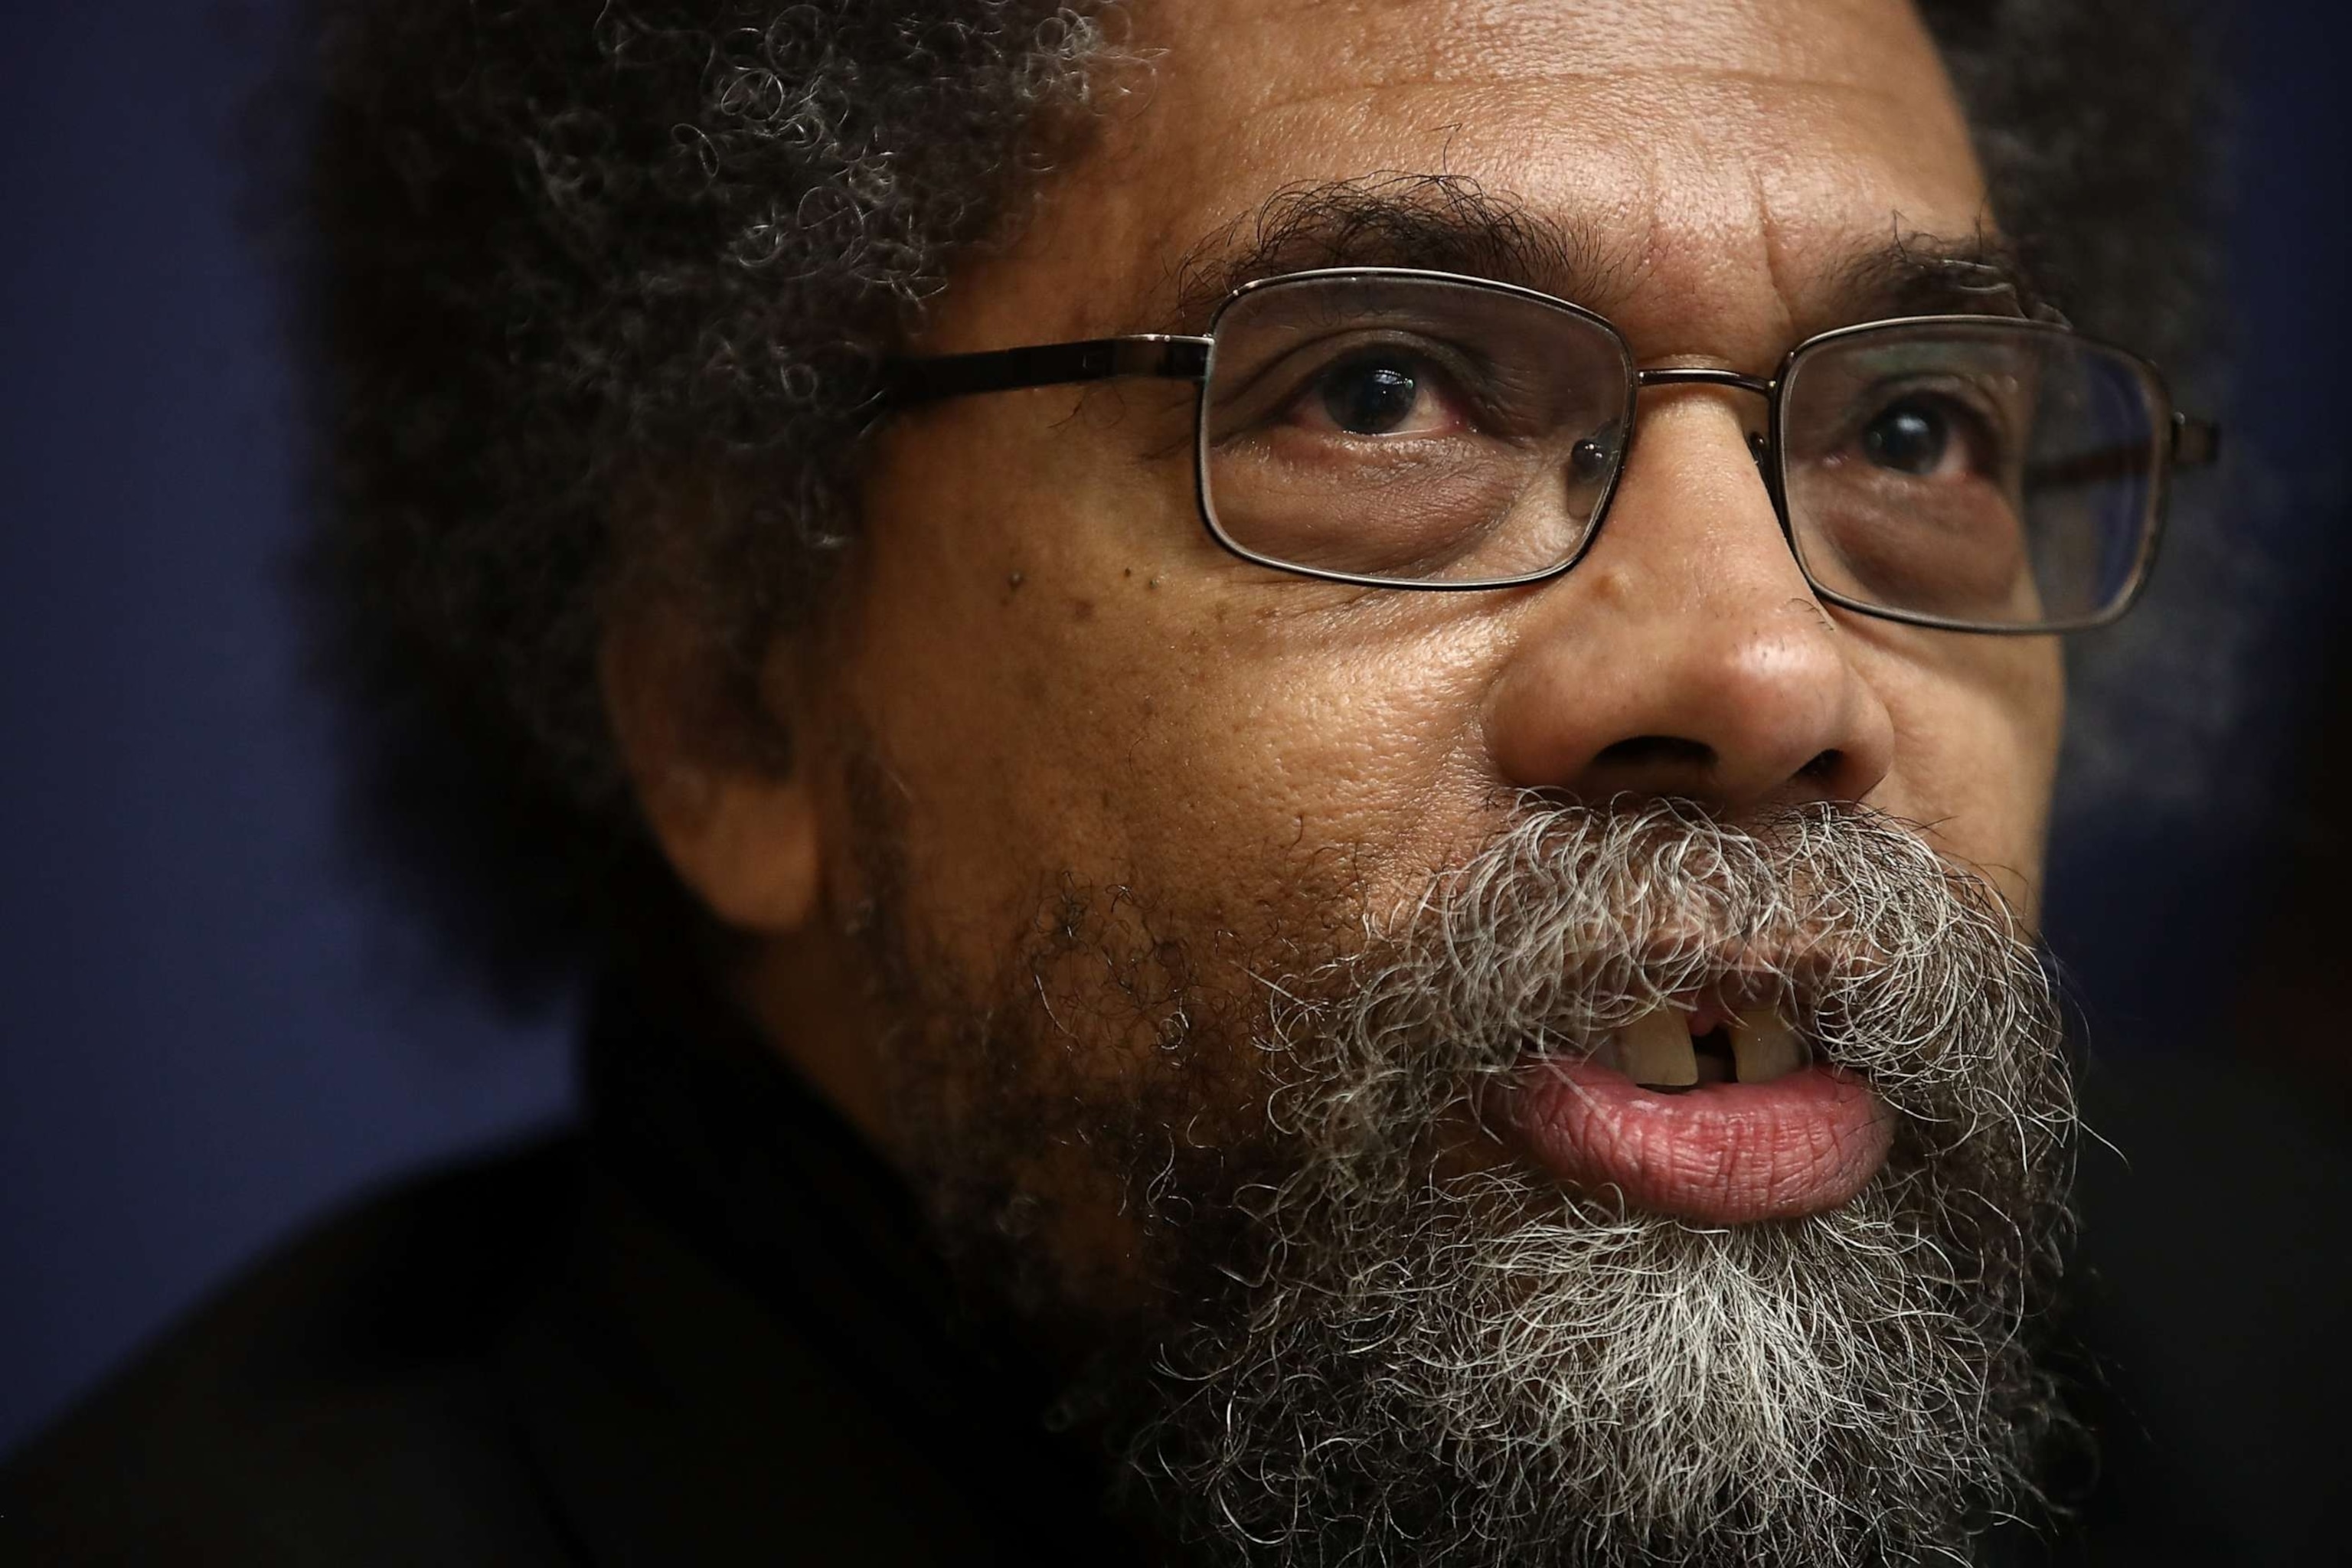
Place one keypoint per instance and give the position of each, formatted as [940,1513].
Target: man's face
[1117,811]
[1065,682]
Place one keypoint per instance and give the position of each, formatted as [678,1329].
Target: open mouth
[1709,1107]
[1670,1048]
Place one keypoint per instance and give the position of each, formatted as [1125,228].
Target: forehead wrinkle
[1490,205]
[1608,39]
[1787,285]
[1681,77]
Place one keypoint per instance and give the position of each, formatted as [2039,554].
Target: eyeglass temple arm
[2194,444]
[913,381]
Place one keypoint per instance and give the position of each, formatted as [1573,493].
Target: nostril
[1823,766]
[1658,751]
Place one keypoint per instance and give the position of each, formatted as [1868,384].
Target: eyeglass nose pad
[1756,447]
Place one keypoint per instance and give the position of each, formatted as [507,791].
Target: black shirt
[704,1330]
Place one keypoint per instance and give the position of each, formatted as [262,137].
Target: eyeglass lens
[1409,430]
[1420,430]
[1979,473]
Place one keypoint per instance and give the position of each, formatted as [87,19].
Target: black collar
[753,1354]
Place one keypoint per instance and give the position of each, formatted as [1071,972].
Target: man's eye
[1370,400]
[1919,436]
[1389,396]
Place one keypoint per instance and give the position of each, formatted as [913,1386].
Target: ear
[734,815]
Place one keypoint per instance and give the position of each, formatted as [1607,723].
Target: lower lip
[1725,1154]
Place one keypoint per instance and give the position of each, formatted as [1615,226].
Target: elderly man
[1301,751]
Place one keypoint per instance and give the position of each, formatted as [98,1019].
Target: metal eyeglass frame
[913,381]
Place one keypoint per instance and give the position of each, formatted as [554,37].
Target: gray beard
[1360,1353]
[1595,1387]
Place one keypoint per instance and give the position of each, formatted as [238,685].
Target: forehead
[1715,165]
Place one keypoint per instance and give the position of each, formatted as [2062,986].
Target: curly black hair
[563,251]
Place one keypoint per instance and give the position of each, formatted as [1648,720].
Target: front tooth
[1654,1051]
[1606,1054]
[1764,1046]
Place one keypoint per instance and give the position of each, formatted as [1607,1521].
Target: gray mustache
[1895,961]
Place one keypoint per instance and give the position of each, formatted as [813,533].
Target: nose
[1686,655]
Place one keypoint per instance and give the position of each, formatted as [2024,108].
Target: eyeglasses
[1420,430]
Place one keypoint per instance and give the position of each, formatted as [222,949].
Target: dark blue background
[210,1033]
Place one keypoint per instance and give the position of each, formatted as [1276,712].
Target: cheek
[1977,727]
[1094,697]
[1294,735]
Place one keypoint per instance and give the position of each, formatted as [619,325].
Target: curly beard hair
[1351,1345]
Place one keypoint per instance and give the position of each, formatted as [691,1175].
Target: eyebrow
[1443,223]
[1920,274]
[1437,223]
